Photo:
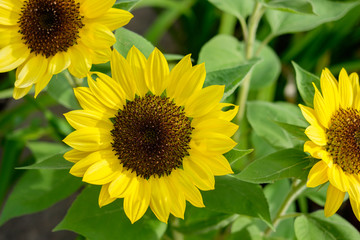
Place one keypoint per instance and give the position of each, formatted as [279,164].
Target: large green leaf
[85,217]
[230,77]
[232,195]
[226,52]
[125,39]
[294,6]
[60,89]
[316,226]
[325,11]
[304,84]
[263,117]
[286,163]
[37,190]
[125,4]
[238,8]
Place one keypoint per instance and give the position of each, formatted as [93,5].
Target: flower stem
[296,190]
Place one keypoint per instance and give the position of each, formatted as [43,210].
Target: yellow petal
[120,185]
[89,139]
[322,112]
[204,101]
[338,178]
[79,168]
[159,201]
[334,199]
[137,62]
[9,12]
[177,198]
[9,35]
[122,73]
[107,92]
[217,163]
[200,173]
[86,118]
[12,56]
[216,125]
[309,115]
[345,90]
[229,114]
[102,55]
[157,72]
[329,87]
[318,174]
[192,194]
[42,82]
[59,62]
[355,207]
[104,170]
[75,155]
[213,142]
[316,134]
[25,74]
[95,35]
[137,201]
[95,8]
[20,92]
[104,196]
[315,150]
[80,58]
[114,18]
[88,101]
[177,73]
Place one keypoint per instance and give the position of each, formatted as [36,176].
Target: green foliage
[224,51]
[295,6]
[88,219]
[325,11]
[263,117]
[317,226]
[288,163]
[240,9]
[125,4]
[229,190]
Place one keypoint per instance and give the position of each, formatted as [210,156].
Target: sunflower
[150,136]
[44,37]
[334,136]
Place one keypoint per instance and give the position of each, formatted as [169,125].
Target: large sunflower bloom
[150,136]
[44,37]
[334,136]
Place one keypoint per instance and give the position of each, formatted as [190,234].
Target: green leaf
[125,4]
[43,150]
[56,161]
[85,217]
[244,228]
[286,163]
[316,226]
[296,131]
[263,115]
[226,52]
[125,39]
[294,6]
[232,195]
[230,77]
[60,89]
[325,11]
[304,84]
[37,190]
[236,154]
[240,9]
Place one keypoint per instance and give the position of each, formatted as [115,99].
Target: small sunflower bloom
[150,136]
[41,38]
[334,134]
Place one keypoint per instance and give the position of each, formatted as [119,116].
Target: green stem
[227,24]
[264,43]
[296,190]
[249,48]
[244,28]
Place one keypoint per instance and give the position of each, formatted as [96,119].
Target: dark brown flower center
[343,139]
[151,136]
[50,26]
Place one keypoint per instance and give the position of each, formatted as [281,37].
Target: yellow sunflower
[334,136]
[44,37]
[150,136]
